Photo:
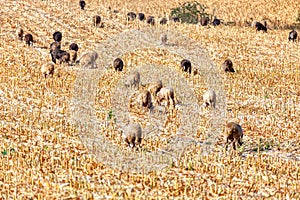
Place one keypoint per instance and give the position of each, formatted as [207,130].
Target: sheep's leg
[234,144]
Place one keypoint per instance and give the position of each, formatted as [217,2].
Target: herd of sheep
[165,96]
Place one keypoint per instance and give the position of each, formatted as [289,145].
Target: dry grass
[43,157]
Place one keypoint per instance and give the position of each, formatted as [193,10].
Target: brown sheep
[204,21]
[209,98]
[96,20]
[19,33]
[47,69]
[150,20]
[166,94]
[132,135]
[54,47]
[233,134]
[74,47]
[163,21]
[118,64]
[131,16]
[88,59]
[28,39]
[228,66]
[73,56]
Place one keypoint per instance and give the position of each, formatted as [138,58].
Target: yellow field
[43,157]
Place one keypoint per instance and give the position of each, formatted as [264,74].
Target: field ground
[42,156]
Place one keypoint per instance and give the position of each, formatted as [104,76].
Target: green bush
[190,12]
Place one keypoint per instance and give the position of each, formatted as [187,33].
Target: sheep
[73,56]
[166,94]
[293,35]
[96,20]
[141,16]
[131,16]
[227,66]
[233,133]
[261,26]
[141,99]
[204,21]
[150,20]
[132,134]
[118,64]
[53,47]
[20,33]
[175,19]
[73,46]
[164,39]
[61,55]
[216,22]
[209,98]
[82,4]
[133,80]
[47,69]
[88,59]
[163,21]
[28,39]
[186,65]
[153,87]
[57,36]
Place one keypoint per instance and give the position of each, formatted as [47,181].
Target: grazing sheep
[28,39]
[234,133]
[216,22]
[293,35]
[73,56]
[53,47]
[73,46]
[132,135]
[153,87]
[227,66]
[88,59]
[20,33]
[150,20]
[62,56]
[82,4]
[163,21]
[141,16]
[57,36]
[175,19]
[118,64]
[142,99]
[261,27]
[204,21]
[166,94]
[209,98]
[96,20]
[164,39]
[131,16]
[133,80]
[186,65]
[47,69]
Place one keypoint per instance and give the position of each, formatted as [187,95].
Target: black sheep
[82,4]
[57,36]
[293,35]
[28,39]
[186,65]
[118,64]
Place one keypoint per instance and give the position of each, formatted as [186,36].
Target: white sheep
[132,134]
[141,99]
[233,134]
[166,94]
[88,59]
[209,98]
[133,80]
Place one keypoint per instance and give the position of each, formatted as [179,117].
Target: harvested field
[45,155]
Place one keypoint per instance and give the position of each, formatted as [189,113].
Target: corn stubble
[42,156]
